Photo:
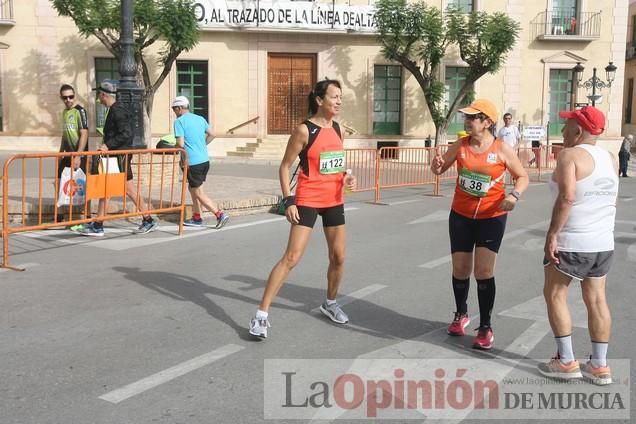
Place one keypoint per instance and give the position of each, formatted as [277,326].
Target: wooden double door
[290,78]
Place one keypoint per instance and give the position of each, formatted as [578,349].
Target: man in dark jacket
[623,155]
[118,135]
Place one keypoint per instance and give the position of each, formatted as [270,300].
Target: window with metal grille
[630,98]
[455,77]
[564,16]
[387,99]
[560,97]
[105,68]
[192,82]
[465,6]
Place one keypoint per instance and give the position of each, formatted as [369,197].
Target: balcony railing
[567,24]
[6,11]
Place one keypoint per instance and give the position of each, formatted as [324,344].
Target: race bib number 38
[473,183]
[332,162]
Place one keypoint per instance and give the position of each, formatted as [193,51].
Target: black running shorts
[331,217]
[466,233]
[197,174]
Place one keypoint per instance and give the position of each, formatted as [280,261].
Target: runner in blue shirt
[193,134]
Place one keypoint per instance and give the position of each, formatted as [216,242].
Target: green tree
[418,36]
[171,24]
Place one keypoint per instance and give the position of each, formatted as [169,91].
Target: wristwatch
[515,194]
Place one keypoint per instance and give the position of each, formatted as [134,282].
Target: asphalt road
[153,328]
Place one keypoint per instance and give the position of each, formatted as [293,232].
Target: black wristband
[288,201]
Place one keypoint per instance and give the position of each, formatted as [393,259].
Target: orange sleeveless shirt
[480,181]
[318,189]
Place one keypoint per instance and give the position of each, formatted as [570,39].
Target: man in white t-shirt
[509,133]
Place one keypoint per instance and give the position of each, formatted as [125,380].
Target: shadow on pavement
[374,320]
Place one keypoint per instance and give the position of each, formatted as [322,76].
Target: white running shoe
[334,312]
[258,327]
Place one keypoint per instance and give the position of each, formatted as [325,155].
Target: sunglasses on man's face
[71,97]
[479,116]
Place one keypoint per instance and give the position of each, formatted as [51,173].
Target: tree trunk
[148,102]
[440,134]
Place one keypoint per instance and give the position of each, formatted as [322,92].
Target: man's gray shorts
[581,265]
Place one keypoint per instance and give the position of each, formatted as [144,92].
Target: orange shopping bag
[108,182]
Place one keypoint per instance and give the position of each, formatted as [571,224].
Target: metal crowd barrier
[156,174]
[538,160]
[393,167]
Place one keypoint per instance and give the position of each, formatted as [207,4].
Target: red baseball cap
[588,117]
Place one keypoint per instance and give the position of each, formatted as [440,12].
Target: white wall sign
[284,15]
[534,132]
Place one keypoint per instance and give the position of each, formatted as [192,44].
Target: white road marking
[356,295]
[23,266]
[171,373]
[445,259]
[631,253]
[441,215]
[142,240]
[624,234]
[535,309]
[533,244]
[622,221]
[431,345]
[404,202]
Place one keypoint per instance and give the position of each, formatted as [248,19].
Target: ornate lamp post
[594,83]
[128,92]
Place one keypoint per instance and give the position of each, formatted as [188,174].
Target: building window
[630,98]
[455,78]
[560,97]
[105,68]
[6,10]
[387,99]
[192,82]
[464,6]
[564,16]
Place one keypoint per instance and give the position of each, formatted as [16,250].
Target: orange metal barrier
[451,173]
[538,160]
[156,178]
[362,162]
[404,167]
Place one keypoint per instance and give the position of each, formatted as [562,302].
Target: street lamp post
[129,93]
[594,83]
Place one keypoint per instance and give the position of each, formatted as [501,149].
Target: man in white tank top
[580,243]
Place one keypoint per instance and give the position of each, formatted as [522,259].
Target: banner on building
[284,15]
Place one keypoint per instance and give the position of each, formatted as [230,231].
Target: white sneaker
[258,327]
[334,312]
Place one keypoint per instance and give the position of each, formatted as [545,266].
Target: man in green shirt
[74,134]
[74,130]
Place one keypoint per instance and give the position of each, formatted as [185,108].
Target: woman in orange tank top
[321,180]
[478,214]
